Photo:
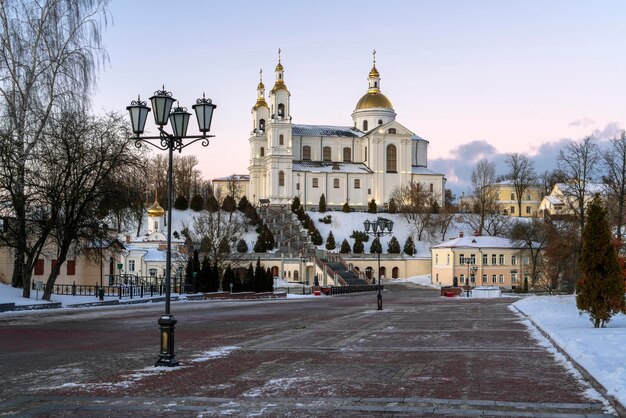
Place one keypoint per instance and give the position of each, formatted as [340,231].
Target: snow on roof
[478,242]
[424,171]
[325,130]
[330,167]
[590,188]
[235,177]
[554,200]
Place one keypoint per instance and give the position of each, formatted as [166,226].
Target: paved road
[329,356]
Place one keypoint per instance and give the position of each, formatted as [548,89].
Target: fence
[340,290]
[119,291]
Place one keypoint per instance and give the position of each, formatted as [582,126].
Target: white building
[353,164]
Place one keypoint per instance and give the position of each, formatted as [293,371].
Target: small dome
[279,66]
[156,209]
[374,72]
[280,85]
[260,86]
[374,99]
[260,102]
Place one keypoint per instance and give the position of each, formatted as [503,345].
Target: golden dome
[374,72]
[260,86]
[156,209]
[374,99]
[260,102]
[280,85]
[279,66]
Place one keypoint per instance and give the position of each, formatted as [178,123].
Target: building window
[512,210]
[431,187]
[281,178]
[364,125]
[391,130]
[461,258]
[262,125]
[315,183]
[485,259]
[514,260]
[357,183]
[494,259]
[391,159]
[326,154]
[462,278]
[380,122]
[501,278]
[527,210]
[347,154]
[512,196]
[336,183]
[484,278]
[71,267]
[281,140]
[501,259]
[448,259]
[436,258]
[513,277]
[527,197]
[473,278]
[38,267]
[369,191]
[365,158]
[473,259]
[306,153]
[297,186]
[494,279]
[281,110]
[262,152]
[131,265]
[526,260]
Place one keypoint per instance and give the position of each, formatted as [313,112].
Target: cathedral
[353,164]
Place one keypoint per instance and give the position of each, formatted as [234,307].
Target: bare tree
[614,159]
[77,173]
[185,174]
[521,174]
[532,236]
[415,202]
[484,196]
[50,51]
[577,163]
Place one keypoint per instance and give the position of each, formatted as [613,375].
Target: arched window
[326,154]
[295,275]
[306,153]
[281,110]
[261,124]
[347,154]
[365,159]
[395,272]
[391,130]
[391,159]
[262,152]
[368,272]
[382,272]
[375,84]
[281,140]
[281,178]
[365,125]
[380,122]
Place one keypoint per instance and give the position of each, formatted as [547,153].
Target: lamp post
[303,260]
[162,102]
[378,229]
[470,268]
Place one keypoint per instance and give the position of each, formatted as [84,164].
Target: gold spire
[374,72]
[260,100]
[279,66]
[280,83]
[374,98]
[261,85]
[156,209]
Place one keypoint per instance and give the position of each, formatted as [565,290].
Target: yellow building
[237,185]
[562,198]
[480,261]
[506,198]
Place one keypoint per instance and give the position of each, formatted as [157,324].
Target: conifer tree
[330,242]
[214,283]
[259,277]
[345,247]
[372,207]
[212,205]
[269,281]
[197,203]
[295,205]
[243,204]
[601,286]
[205,275]
[301,214]
[322,205]
[242,246]
[358,248]
[248,284]
[376,247]
[224,246]
[228,278]
[316,237]
[394,246]
[346,208]
[229,204]
[409,246]
[393,206]
[181,203]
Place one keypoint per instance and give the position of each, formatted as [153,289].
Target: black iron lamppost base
[166,356]
[380,300]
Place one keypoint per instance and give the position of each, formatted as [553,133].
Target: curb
[619,408]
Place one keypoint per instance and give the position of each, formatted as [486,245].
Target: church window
[281,178]
[315,183]
[131,265]
[512,196]
[326,154]
[391,159]
[281,110]
[262,152]
[431,187]
[369,191]
[336,183]
[297,186]
[306,153]
[156,225]
[375,84]
[365,159]
[262,125]
[527,210]
[347,154]
[365,125]
[281,140]
[512,210]
[357,183]
[391,130]
[380,122]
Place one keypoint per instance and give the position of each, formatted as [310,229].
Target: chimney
[476,233]
[461,234]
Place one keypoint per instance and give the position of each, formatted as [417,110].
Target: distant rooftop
[234,177]
[325,130]
[330,167]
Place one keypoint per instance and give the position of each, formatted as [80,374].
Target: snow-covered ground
[422,279]
[599,351]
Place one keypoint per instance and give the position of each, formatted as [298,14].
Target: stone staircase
[290,236]
[347,276]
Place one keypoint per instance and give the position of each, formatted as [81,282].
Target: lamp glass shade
[204,114]
[138,112]
[375,226]
[162,104]
[180,121]
[390,225]
[367,224]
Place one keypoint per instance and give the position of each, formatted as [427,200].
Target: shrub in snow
[242,247]
[212,205]
[229,204]
[345,247]
[325,220]
[376,247]
[409,246]
[360,236]
[372,207]
[358,247]
[197,203]
[392,207]
[330,242]
[243,204]
[322,205]
[295,205]
[346,208]
[181,203]
[394,246]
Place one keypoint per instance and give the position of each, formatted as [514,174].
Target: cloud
[611,130]
[583,122]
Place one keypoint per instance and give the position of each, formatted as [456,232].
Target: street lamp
[162,102]
[378,229]
[303,260]
[471,269]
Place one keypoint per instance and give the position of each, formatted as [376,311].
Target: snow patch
[213,354]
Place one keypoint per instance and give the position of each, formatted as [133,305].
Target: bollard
[74,289]
[120,288]
[101,293]
[141,290]
[131,292]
